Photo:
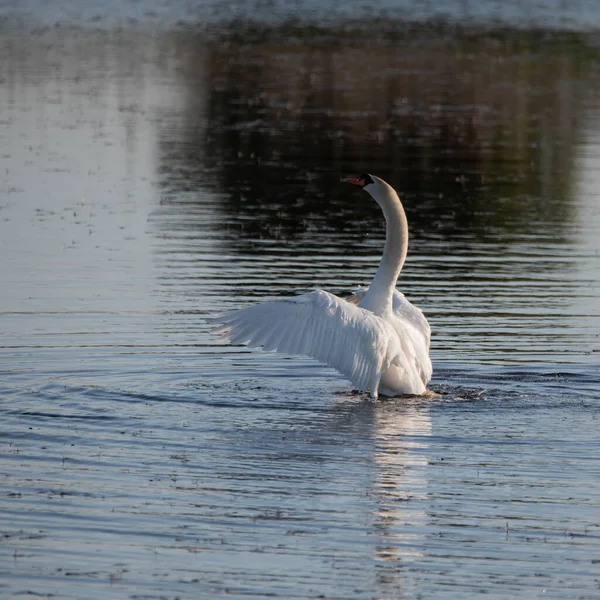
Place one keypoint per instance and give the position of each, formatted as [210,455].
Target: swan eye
[366,179]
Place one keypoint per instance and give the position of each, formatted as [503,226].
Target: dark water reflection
[153,176]
[476,129]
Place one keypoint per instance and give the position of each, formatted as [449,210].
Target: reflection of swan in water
[377,339]
[400,433]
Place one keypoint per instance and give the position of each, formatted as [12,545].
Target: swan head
[378,189]
[362,181]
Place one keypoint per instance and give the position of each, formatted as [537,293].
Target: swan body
[376,338]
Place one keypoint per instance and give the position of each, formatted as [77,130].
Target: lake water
[160,165]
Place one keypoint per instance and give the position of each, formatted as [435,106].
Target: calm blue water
[155,175]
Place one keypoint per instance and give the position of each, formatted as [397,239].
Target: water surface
[154,175]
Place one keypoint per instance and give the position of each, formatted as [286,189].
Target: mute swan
[376,338]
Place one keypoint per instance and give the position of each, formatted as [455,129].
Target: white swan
[376,338]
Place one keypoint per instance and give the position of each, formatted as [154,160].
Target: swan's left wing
[350,339]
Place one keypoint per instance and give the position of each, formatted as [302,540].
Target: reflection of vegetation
[476,130]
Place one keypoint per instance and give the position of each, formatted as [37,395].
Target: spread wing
[337,333]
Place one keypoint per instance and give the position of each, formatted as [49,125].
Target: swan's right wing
[320,325]
[403,309]
[412,328]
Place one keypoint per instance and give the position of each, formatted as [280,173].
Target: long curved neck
[378,298]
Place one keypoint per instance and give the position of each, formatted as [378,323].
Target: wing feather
[346,337]
[272,340]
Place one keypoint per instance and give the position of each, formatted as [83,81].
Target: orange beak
[355,181]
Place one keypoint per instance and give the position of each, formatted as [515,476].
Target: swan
[376,337]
